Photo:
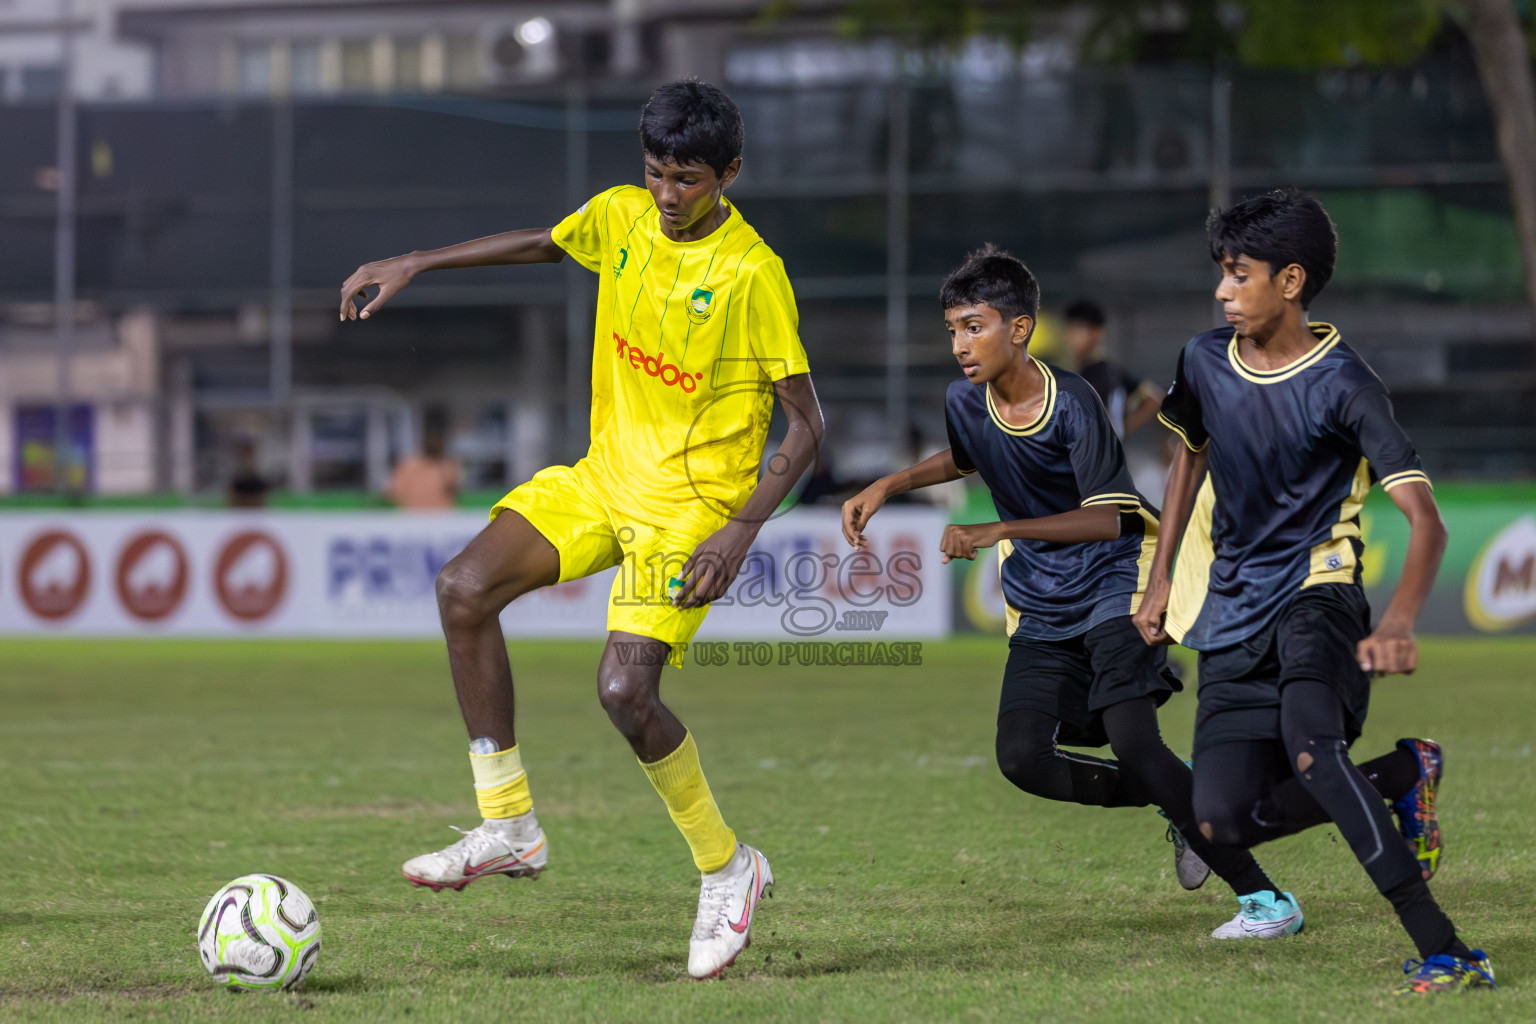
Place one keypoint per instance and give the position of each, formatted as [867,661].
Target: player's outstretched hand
[389,276]
[1389,650]
[712,568]
[857,512]
[1150,618]
[962,541]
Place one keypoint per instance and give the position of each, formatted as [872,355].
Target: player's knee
[1307,755]
[1020,759]
[461,597]
[626,699]
[1222,828]
[1218,824]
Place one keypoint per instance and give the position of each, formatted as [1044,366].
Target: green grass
[914,882]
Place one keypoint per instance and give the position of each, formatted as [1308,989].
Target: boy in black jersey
[1075,542]
[1289,428]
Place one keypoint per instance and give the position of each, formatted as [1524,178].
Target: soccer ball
[259,931]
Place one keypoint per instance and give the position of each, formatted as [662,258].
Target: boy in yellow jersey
[696,334]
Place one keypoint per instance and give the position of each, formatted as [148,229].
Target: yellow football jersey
[690,338]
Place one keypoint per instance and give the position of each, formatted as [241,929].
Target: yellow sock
[501,785]
[680,781]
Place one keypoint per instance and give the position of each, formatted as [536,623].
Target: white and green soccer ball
[259,931]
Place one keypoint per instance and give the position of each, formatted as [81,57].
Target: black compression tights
[1235,798]
[1144,772]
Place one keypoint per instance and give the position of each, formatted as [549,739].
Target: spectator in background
[1131,402]
[247,487]
[426,481]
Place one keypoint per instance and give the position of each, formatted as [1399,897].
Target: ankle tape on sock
[498,769]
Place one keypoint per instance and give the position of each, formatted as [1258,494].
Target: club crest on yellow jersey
[620,258]
[699,303]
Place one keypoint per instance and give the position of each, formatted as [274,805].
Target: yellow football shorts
[589,539]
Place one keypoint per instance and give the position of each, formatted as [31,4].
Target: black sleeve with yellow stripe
[1098,461]
[1181,410]
[1367,419]
[957,450]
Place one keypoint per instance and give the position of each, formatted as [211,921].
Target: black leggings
[1252,791]
[1144,772]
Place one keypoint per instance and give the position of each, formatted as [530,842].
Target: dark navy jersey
[1069,457]
[1291,455]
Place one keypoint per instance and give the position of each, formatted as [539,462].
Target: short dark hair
[1280,227]
[688,121]
[1085,311]
[995,277]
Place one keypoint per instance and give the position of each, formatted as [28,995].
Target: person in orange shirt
[427,481]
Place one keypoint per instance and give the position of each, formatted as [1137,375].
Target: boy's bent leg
[1028,757]
[735,876]
[1284,807]
[1231,779]
[629,688]
[1312,723]
[1392,775]
[1138,745]
[506,559]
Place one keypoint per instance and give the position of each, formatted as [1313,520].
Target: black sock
[1392,775]
[1426,924]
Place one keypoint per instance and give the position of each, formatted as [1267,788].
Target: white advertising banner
[340,574]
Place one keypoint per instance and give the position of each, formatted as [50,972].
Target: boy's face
[686,193]
[984,344]
[1083,340]
[1253,299]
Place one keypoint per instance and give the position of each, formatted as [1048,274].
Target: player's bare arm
[1178,501]
[1392,648]
[529,245]
[1079,526]
[712,568]
[859,509]
[1148,402]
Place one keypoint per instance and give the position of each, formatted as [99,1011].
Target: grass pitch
[914,882]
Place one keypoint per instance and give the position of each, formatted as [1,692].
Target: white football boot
[517,850]
[1187,864]
[1263,917]
[727,900]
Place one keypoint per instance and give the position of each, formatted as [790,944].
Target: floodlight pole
[897,243]
[64,243]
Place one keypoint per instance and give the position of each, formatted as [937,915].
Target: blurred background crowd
[184,184]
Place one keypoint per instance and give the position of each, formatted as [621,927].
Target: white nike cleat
[727,900]
[490,848]
[1187,864]
[1263,917]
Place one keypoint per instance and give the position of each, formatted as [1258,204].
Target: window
[464,62]
[306,67]
[356,64]
[255,69]
[408,65]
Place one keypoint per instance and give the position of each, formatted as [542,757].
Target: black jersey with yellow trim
[1291,454]
[1067,458]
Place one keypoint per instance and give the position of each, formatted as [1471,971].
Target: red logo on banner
[55,575]
[152,575]
[251,575]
